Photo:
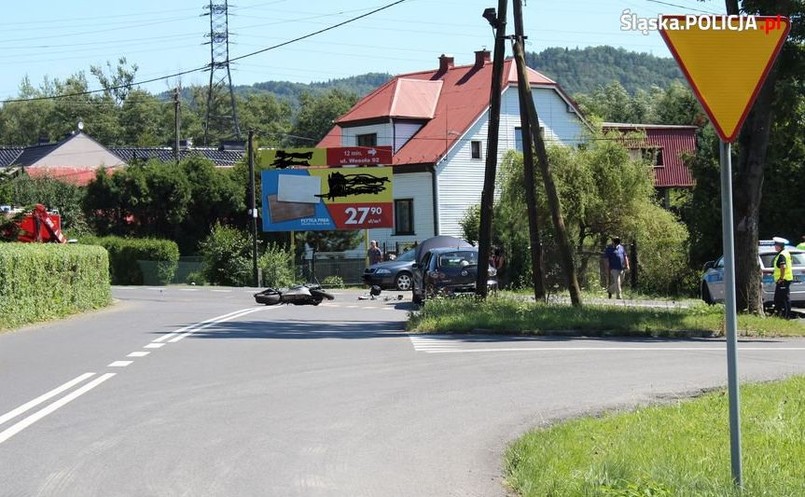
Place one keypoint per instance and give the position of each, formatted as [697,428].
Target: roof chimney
[445,62]
[481,58]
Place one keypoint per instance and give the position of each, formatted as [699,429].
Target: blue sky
[56,39]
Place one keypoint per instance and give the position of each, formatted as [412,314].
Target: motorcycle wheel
[271,298]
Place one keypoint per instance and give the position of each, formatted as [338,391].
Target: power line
[207,66]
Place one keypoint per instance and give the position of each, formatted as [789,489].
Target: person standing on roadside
[616,262]
[783,275]
[374,253]
[801,246]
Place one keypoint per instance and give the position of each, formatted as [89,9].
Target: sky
[53,40]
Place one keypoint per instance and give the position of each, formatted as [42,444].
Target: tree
[753,144]
[317,113]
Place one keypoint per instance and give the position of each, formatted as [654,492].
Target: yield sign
[725,59]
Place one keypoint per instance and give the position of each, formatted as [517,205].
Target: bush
[227,257]
[137,261]
[333,281]
[45,281]
[277,267]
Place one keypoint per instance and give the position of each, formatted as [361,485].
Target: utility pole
[253,208]
[498,23]
[177,123]
[524,92]
[554,204]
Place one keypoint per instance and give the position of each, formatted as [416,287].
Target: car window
[458,259]
[406,256]
[766,260]
[720,262]
[798,259]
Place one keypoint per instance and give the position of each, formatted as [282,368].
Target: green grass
[679,450]
[518,316]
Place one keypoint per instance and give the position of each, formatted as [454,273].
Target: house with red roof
[666,147]
[436,123]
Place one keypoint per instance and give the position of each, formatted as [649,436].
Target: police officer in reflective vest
[783,275]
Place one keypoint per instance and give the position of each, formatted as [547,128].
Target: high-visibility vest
[788,275]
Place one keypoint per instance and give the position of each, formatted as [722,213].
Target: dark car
[447,271]
[393,275]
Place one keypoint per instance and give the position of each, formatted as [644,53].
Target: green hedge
[138,261]
[45,281]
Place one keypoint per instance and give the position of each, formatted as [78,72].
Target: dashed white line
[119,364]
[153,345]
[139,353]
[33,418]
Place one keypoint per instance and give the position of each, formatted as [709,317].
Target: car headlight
[383,271]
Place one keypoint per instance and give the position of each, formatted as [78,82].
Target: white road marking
[33,418]
[56,391]
[119,364]
[139,353]
[223,317]
[453,345]
[153,345]
[213,321]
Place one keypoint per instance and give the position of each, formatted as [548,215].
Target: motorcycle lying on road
[305,294]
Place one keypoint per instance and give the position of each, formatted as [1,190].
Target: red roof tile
[73,175]
[461,99]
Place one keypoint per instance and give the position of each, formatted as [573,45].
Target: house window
[475,145]
[518,137]
[653,155]
[404,216]
[368,140]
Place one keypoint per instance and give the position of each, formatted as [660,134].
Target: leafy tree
[754,140]
[317,113]
[604,193]
[269,117]
[145,121]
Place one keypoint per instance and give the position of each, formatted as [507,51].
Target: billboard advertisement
[327,199]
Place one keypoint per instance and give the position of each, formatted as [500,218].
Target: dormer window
[367,140]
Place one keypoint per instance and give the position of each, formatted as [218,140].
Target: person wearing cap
[374,253]
[616,262]
[783,275]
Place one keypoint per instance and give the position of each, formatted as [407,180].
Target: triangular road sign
[725,59]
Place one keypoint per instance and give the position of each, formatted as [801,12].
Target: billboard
[332,156]
[327,199]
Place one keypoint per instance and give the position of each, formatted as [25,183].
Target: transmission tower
[221,115]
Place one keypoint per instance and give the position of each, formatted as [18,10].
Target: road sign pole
[730,311]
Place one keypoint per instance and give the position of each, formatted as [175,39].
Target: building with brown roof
[436,123]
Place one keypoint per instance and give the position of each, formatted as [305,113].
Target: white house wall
[417,186]
[402,133]
[461,178]
[383,131]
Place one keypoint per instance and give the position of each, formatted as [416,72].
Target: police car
[712,284]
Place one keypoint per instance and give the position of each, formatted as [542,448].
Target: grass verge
[681,450]
[503,314]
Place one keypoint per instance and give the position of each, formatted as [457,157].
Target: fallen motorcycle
[306,294]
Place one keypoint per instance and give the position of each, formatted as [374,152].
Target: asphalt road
[200,392]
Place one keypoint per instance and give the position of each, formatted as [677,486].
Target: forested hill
[584,70]
[576,70]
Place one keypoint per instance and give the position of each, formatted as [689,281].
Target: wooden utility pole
[498,23]
[524,92]
[253,208]
[565,249]
[176,123]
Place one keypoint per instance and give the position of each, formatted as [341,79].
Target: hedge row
[138,261]
[45,281]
